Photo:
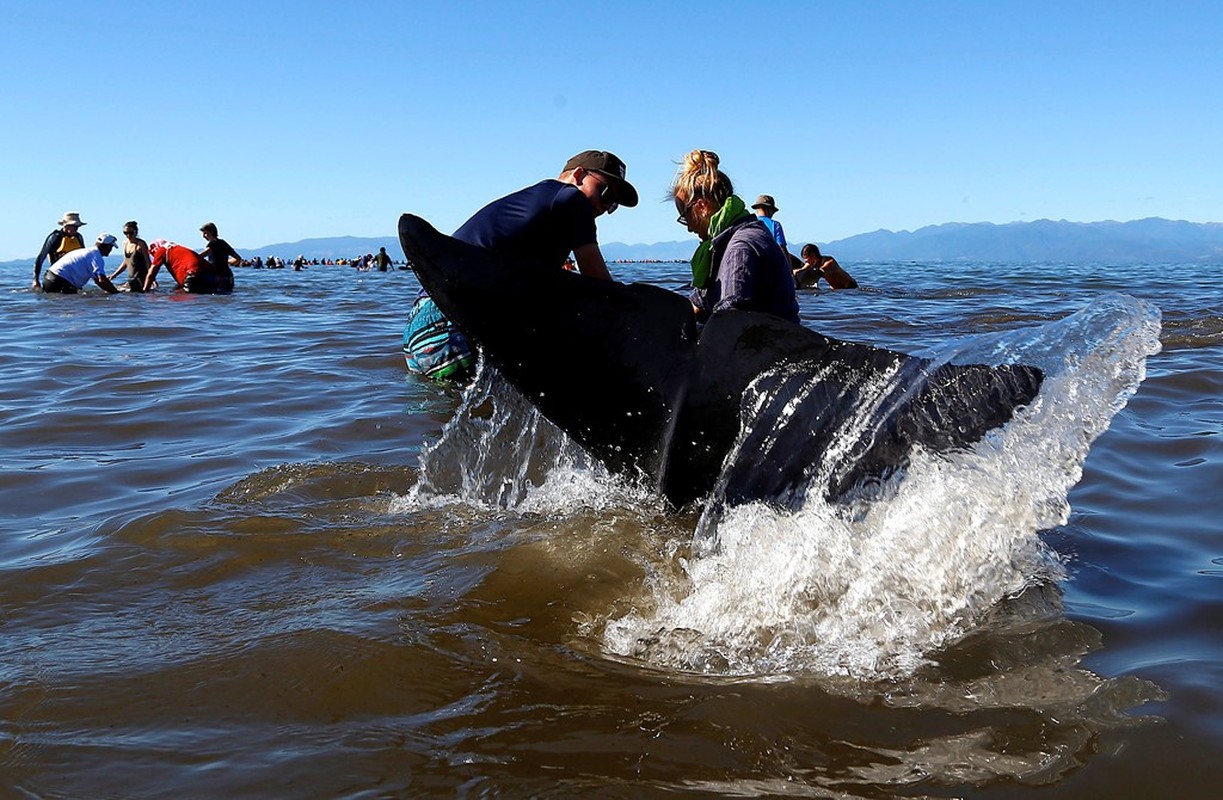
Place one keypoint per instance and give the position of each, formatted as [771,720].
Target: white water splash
[871,590]
[499,453]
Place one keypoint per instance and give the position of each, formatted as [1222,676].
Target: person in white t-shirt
[70,274]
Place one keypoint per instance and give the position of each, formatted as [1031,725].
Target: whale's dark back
[621,369]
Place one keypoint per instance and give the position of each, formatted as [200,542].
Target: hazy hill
[1146,241]
[334,247]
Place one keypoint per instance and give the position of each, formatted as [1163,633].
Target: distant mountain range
[1146,241]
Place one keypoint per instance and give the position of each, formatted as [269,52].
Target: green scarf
[732,211]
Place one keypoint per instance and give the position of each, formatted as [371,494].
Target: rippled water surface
[244,555]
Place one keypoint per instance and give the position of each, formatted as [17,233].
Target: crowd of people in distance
[365,262]
[742,262]
[71,265]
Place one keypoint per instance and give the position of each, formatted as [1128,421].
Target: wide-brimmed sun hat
[71,218]
[765,201]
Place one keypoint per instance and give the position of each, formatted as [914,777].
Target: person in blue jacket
[765,208]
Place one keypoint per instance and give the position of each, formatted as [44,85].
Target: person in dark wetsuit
[135,258]
[738,264]
[61,241]
[537,227]
[218,253]
[382,260]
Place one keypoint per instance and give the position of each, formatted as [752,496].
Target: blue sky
[283,121]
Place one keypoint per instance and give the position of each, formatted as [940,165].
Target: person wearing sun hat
[537,228]
[69,274]
[60,242]
[765,208]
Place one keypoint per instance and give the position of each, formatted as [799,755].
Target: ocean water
[243,554]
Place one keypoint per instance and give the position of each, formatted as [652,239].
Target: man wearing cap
[536,227]
[61,241]
[542,224]
[69,274]
[765,208]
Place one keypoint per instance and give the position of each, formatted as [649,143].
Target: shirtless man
[135,258]
[816,266]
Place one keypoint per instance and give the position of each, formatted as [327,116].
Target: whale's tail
[623,370]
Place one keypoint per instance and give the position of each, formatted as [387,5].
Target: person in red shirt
[192,272]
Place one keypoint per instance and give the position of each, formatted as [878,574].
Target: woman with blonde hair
[738,264]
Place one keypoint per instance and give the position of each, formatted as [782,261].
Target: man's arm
[101,280]
[150,277]
[591,263]
[52,239]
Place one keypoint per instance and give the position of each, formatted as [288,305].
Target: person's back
[753,274]
[78,266]
[837,277]
[192,272]
[70,273]
[539,225]
[536,227]
[738,264]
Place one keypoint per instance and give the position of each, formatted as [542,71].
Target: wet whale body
[752,406]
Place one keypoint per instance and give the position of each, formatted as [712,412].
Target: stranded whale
[625,372]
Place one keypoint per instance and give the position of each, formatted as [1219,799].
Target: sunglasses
[605,197]
[682,219]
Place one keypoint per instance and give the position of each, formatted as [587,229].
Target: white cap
[106,238]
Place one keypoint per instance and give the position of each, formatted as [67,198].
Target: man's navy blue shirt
[540,225]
